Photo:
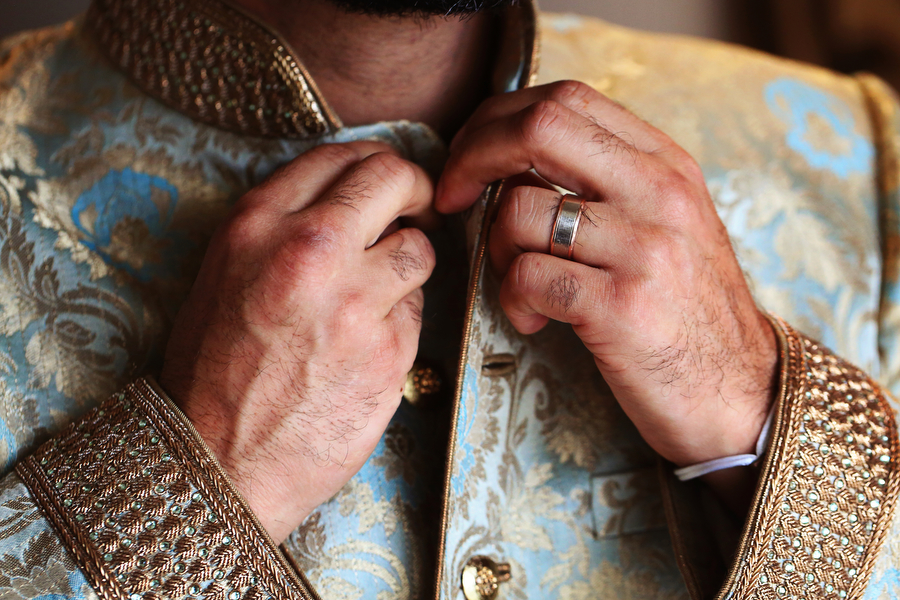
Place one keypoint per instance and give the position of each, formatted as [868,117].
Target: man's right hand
[290,354]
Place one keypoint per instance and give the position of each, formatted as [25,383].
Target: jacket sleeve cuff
[827,488]
[146,510]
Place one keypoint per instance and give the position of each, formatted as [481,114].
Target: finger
[525,222]
[529,179]
[298,183]
[371,195]
[562,146]
[405,318]
[540,287]
[576,96]
[398,264]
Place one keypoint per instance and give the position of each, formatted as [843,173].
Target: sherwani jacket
[126,135]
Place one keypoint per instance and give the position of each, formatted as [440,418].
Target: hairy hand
[292,349]
[654,290]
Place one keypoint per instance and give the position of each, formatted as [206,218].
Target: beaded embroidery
[147,512]
[831,482]
[212,63]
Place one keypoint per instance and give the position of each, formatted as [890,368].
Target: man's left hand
[653,290]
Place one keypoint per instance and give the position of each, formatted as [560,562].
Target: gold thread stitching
[73,539]
[831,494]
[226,501]
[213,63]
[146,513]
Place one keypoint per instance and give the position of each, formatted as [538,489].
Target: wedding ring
[565,228]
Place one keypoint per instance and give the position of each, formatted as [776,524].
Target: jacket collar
[213,62]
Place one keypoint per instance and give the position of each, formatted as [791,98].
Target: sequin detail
[212,63]
[175,529]
[831,482]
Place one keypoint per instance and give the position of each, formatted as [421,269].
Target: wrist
[262,477]
[727,433]
[729,420]
[132,478]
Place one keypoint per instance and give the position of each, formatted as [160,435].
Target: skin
[654,289]
[290,353]
[425,69]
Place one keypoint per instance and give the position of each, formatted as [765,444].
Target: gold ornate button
[481,578]
[422,382]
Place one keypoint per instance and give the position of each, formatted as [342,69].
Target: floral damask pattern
[822,127]
[800,202]
[32,562]
[126,217]
[107,200]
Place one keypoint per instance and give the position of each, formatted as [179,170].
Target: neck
[369,69]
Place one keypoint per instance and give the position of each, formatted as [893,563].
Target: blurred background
[847,35]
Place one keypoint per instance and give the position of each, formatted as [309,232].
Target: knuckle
[353,314]
[571,92]
[543,122]
[400,351]
[413,304]
[245,227]
[676,195]
[658,251]
[409,321]
[518,210]
[391,170]
[667,252]
[420,245]
[685,164]
[525,272]
[412,256]
[321,236]
[516,206]
[337,155]
[353,309]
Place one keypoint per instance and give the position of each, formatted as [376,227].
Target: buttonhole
[497,365]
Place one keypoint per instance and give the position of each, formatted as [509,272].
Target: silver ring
[565,228]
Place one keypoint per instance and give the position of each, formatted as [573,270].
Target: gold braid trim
[828,486]
[212,62]
[147,511]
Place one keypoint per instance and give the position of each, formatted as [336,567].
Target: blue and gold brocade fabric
[108,197]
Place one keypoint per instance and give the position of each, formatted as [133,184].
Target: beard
[422,8]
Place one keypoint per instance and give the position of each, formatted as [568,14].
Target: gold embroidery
[213,63]
[831,482]
[146,510]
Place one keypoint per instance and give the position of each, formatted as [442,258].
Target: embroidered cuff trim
[147,511]
[828,485]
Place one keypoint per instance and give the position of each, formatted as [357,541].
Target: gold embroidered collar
[213,62]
